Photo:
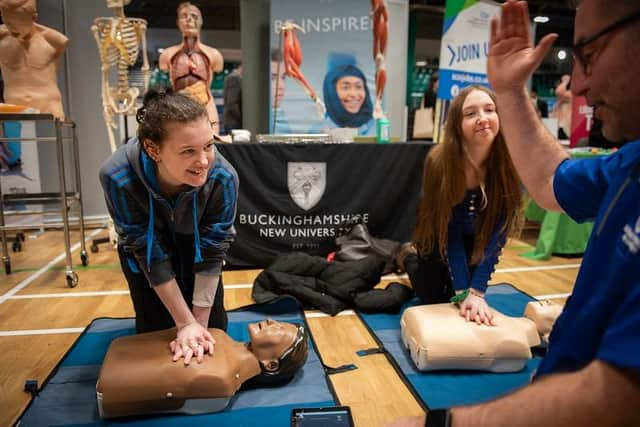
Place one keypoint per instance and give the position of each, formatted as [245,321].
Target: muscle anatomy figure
[120,40]
[292,56]
[191,64]
[380,18]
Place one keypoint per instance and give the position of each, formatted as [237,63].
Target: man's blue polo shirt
[602,317]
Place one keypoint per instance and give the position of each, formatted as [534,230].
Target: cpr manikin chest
[138,377]
[438,338]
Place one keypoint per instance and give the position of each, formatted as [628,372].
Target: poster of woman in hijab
[346,96]
[332,79]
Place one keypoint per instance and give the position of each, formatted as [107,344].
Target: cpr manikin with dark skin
[139,375]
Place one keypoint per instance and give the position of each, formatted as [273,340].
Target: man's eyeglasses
[583,59]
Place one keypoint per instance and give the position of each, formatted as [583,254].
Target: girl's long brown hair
[444,186]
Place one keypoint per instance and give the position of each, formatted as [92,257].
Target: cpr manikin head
[19,16]
[281,349]
[189,19]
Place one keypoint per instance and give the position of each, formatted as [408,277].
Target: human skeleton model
[380,18]
[29,57]
[191,64]
[292,56]
[120,40]
[562,108]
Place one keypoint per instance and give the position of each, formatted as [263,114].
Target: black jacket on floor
[329,286]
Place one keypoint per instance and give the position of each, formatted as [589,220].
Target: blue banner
[465,45]
[335,40]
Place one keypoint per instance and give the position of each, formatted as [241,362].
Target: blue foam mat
[69,397]
[445,389]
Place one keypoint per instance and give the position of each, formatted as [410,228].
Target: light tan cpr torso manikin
[439,338]
[29,57]
[191,64]
[138,376]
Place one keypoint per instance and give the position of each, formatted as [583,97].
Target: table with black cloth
[300,197]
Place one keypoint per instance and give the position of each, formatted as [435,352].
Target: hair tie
[142,111]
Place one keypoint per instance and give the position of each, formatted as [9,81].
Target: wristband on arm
[476,292]
[438,418]
[458,298]
[204,290]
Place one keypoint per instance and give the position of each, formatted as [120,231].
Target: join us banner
[465,45]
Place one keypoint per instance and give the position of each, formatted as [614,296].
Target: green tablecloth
[559,234]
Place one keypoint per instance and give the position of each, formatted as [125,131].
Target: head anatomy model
[120,40]
[29,57]
[139,377]
[191,64]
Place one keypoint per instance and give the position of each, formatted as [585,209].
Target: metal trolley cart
[65,131]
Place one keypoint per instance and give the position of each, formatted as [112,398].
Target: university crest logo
[306,182]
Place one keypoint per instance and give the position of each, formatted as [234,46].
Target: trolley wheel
[84,258]
[94,248]
[7,266]
[16,246]
[20,236]
[72,279]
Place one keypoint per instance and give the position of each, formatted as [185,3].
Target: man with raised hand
[591,373]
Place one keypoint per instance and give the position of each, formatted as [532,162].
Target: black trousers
[151,314]
[429,274]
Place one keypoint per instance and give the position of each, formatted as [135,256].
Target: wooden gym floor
[40,318]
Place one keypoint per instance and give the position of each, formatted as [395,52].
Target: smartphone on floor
[335,416]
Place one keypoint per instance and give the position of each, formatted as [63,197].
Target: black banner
[300,197]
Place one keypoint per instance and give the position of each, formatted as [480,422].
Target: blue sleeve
[216,225]
[580,185]
[487,265]
[457,258]
[131,220]
[620,344]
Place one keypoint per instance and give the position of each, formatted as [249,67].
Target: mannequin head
[19,16]
[115,4]
[281,349]
[189,19]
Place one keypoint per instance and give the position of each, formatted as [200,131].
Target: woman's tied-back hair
[444,186]
[161,107]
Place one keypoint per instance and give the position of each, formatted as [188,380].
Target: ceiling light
[541,19]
